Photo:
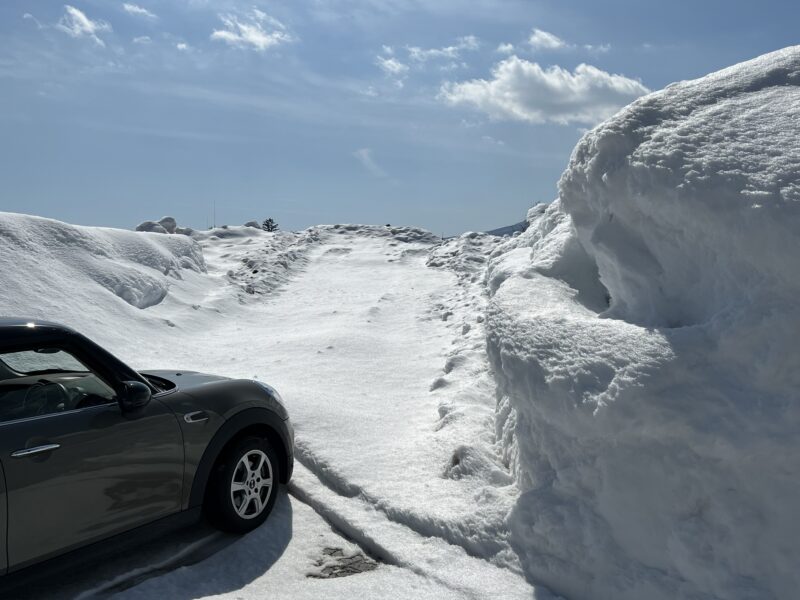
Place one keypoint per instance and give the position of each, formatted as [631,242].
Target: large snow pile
[643,332]
[53,270]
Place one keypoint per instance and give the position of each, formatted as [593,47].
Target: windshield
[45,360]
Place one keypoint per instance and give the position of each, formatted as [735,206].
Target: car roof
[11,325]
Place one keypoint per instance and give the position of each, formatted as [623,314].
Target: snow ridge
[38,253]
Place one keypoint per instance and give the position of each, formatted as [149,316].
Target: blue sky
[451,115]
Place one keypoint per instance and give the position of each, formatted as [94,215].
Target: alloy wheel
[251,484]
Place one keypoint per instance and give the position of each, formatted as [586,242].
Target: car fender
[255,419]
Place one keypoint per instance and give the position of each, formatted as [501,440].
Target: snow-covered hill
[644,336]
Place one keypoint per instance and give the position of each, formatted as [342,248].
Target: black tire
[221,501]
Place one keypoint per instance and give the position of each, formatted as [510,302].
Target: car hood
[184,379]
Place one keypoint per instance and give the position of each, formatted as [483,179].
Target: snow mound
[400,234]
[46,263]
[465,255]
[643,333]
[263,268]
[707,169]
[164,225]
[151,227]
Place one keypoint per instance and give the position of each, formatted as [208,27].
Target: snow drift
[643,334]
[50,267]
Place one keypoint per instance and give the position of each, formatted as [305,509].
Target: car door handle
[35,450]
[196,417]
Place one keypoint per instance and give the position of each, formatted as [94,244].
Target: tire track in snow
[396,544]
[427,527]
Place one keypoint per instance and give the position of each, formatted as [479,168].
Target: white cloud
[30,17]
[391,66]
[492,141]
[543,40]
[598,49]
[182,46]
[468,42]
[520,90]
[505,49]
[388,50]
[258,31]
[77,24]
[453,66]
[138,11]
[364,156]
[142,39]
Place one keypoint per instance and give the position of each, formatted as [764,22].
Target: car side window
[43,381]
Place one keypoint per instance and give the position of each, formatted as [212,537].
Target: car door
[76,476]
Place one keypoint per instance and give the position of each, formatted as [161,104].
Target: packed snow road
[381,361]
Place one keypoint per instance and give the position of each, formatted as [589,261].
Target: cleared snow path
[355,342]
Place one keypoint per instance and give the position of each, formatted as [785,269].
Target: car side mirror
[135,395]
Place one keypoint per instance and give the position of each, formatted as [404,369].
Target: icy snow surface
[644,332]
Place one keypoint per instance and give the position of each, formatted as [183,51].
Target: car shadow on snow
[234,561]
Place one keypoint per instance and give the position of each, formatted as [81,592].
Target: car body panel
[111,473]
[20,583]
[196,434]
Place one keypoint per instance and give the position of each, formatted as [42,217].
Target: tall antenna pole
[214,213]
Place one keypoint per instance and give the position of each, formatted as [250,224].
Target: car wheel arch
[249,422]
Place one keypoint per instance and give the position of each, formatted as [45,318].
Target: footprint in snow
[339,251]
[437,383]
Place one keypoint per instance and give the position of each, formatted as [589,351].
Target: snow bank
[509,229]
[399,234]
[263,262]
[48,265]
[643,335]
[707,169]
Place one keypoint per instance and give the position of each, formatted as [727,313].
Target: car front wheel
[244,486]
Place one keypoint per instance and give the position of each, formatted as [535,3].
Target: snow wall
[645,334]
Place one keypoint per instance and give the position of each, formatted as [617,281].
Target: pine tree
[269,225]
